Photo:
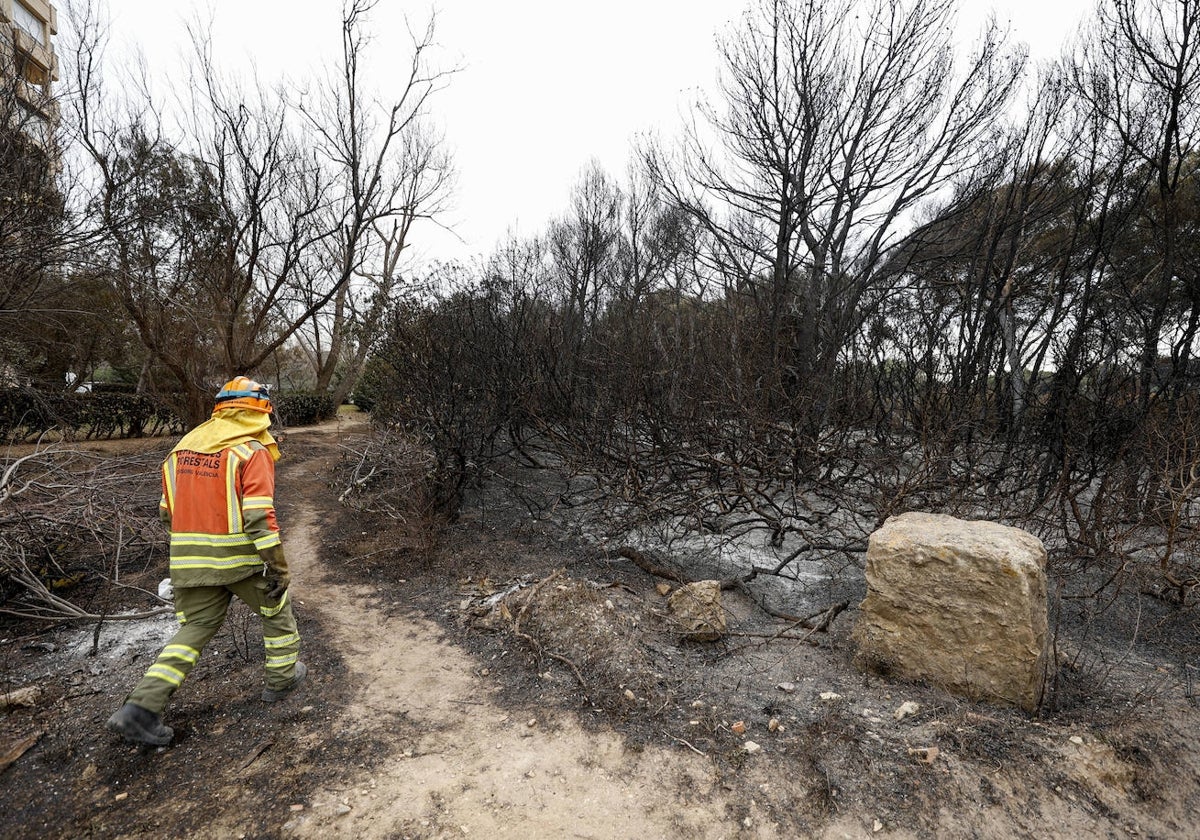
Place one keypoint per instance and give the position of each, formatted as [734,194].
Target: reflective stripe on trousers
[202,611]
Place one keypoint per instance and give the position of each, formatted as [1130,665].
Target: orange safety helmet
[243,392]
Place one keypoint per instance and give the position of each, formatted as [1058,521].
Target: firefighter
[218,488]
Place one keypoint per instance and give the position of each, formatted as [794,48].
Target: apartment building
[28,65]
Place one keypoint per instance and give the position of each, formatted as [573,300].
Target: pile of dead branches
[74,527]
[387,474]
[590,628]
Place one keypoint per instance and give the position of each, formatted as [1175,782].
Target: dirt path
[461,766]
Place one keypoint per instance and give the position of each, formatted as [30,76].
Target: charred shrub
[443,378]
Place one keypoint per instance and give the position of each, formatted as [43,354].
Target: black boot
[140,726]
[270,695]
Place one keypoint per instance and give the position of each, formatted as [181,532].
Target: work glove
[276,571]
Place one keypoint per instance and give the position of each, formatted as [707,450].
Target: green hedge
[376,385]
[27,413]
[302,408]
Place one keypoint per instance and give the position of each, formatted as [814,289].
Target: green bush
[301,408]
[27,413]
[375,378]
[24,413]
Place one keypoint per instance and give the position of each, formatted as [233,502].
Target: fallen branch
[686,743]
[490,601]
[355,484]
[19,749]
[258,750]
[26,696]
[745,634]
[649,566]
[826,615]
[85,616]
[6,491]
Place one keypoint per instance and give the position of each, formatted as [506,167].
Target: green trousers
[201,611]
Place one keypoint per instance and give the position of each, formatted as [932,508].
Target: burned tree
[223,232]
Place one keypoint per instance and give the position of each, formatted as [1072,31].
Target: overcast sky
[544,86]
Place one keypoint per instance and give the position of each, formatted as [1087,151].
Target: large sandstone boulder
[696,611]
[960,604]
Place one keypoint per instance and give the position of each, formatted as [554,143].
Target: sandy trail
[474,769]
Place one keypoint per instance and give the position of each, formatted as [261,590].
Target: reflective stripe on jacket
[220,508]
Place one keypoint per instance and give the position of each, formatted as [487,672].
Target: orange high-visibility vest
[220,509]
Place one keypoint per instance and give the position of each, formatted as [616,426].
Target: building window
[29,22]
[35,126]
[33,72]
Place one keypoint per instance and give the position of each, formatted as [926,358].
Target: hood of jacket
[229,427]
